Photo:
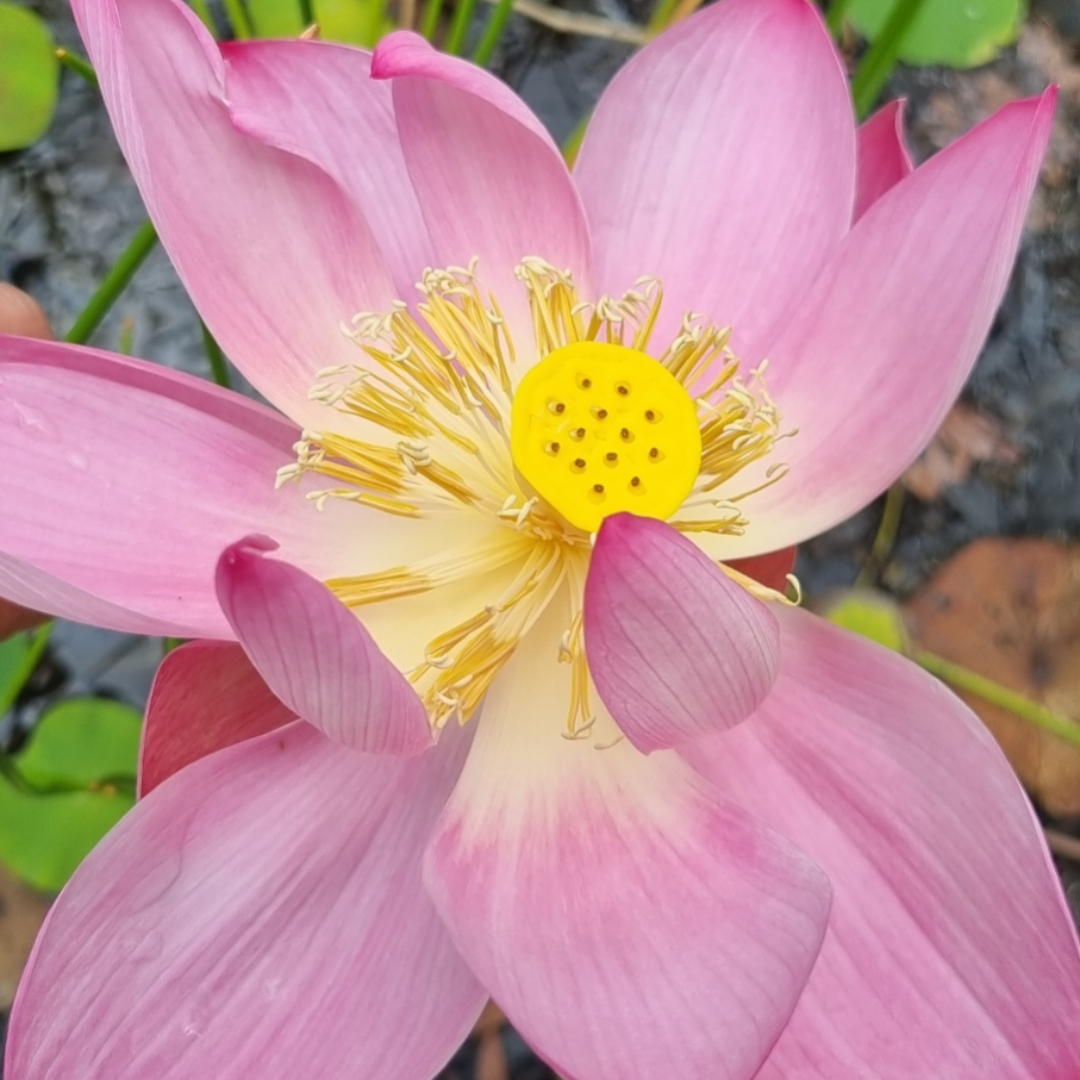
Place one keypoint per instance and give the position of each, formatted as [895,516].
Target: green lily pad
[957,33]
[29,77]
[276,18]
[82,752]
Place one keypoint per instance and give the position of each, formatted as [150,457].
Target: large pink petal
[630,925]
[260,914]
[676,648]
[315,654]
[882,159]
[273,251]
[206,696]
[130,480]
[490,181]
[950,952]
[343,121]
[882,345]
[721,160]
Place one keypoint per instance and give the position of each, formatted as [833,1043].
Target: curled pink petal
[676,648]
[206,696]
[315,654]
[721,160]
[950,951]
[630,925]
[236,215]
[882,160]
[260,914]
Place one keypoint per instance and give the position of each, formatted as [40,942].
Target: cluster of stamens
[427,422]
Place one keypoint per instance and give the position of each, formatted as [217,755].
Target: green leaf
[29,77]
[358,22]
[276,18]
[84,743]
[13,656]
[869,613]
[957,33]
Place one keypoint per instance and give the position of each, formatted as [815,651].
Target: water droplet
[33,423]
[77,460]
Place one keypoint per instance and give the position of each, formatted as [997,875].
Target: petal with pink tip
[342,121]
[676,648]
[273,252]
[261,914]
[206,696]
[489,179]
[867,369]
[721,160]
[630,925]
[948,923]
[882,158]
[316,655]
[131,479]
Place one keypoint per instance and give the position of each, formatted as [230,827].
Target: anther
[623,389]
[626,435]
[552,448]
[600,414]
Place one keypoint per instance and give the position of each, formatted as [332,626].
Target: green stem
[219,366]
[74,62]
[835,18]
[459,27]
[239,19]
[876,66]
[493,32]
[885,538]
[202,9]
[116,280]
[965,679]
[430,22]
[307,13]
[661,16]
[39,639]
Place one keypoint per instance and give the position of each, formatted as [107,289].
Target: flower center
[598,428]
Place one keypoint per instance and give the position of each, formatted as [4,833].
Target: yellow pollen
[598,428]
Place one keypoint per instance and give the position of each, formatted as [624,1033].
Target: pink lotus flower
[737,842]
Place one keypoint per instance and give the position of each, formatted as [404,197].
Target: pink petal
[490,181]
[875,357]
[342,121]
[721,160]
[272,250]
[950,952]
[882,158]
[315,654]
[206,696]
[131,479]
[676,648]
[259,915]
[630,926]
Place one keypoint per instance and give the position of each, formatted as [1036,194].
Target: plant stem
[493,32]
[835,18]
[965,679]
[661,16]
[219,366]
[459,27]
[202,9]
[429,24]
[307,13]
[39,639]
[116,280]
[876,66]
[239,19]
[74,62]
[885,537]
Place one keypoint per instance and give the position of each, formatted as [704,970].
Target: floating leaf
[276,18]
[957,33]
[871,614]
[358,22]
[29,77]
[78,750]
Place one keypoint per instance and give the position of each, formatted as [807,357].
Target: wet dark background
[68,208]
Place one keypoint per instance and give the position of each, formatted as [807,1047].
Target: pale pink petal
[676,648]
[272,250]
[950,952]
[882,158]
[315,654]
[260,914]
[490,181]
[206,696]
[721,160]
[131,479]
[867,369]
[631,926]
[343,121]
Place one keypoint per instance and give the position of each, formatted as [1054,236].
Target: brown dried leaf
[22,912]
[1010,610]
[964,438]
